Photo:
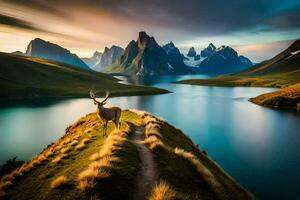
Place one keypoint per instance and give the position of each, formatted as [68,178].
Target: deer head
[99,103]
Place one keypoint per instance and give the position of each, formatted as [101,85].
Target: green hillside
[288,98]
[146,159]
[22,76]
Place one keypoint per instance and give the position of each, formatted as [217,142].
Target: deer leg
[105,128]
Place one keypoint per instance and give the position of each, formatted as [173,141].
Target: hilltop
[146,159]
[24,76]
[288,98]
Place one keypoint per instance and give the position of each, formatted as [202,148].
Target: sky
[257,29]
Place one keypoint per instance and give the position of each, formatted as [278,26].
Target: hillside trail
[148,173]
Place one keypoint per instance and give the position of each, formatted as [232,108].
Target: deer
[107,114]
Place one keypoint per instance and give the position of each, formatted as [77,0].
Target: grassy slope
[30,77]
[185,168]
[288,98]
[280,71]
[184,178]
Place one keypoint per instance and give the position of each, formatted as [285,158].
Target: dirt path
[148,171]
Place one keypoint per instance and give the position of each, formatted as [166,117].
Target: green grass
[280,71]
[37,77]
[36,184]
[288,98]
[185,179]
[276,80]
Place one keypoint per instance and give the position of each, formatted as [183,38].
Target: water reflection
[260,147]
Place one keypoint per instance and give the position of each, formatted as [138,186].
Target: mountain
[192,52]
[145,57]
[155,162]
[175,58]
[216,60]
[222,60]
[208,50]
[280,71]
[24,76]
[109,57]
[18,53]
[283,70]
[94,60]
[43,49]
[287,62]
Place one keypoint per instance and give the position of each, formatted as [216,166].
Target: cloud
[196,17]
[100,23]
[14,22]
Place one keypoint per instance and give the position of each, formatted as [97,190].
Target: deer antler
[106,97]
[93,96]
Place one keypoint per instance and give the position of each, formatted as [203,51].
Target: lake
[259,147]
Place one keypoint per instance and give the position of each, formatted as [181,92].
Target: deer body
[107,114]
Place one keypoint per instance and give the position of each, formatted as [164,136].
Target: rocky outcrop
[41,48]
[94,60]
[192,52]
[109,56]
[145,57]
[208,50]
[222,60]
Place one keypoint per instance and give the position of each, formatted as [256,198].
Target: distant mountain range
[280,71]
[100,60]
[93,61]
[217,60]
[43,49]
[283,70]
[145,57]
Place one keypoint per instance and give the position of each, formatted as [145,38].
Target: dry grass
[141,113]
[65,150]
[82,144]
[48,153]
[5,185]
[74,143]
[149,131]
[104,160]
[96,170]
[149,119]
[163,191]
[59,158]
[153,142]
[59,182]
[215,185]
[7,177]
[66,141]
[88,177]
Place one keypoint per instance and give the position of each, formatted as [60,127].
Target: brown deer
[106,114]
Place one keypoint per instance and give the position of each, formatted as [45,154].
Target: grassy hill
[280,71]
[146,159]
[22,76]
[288,98]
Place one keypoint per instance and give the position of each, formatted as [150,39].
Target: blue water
[259,147]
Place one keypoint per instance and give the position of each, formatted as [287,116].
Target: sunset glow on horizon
[84,27]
